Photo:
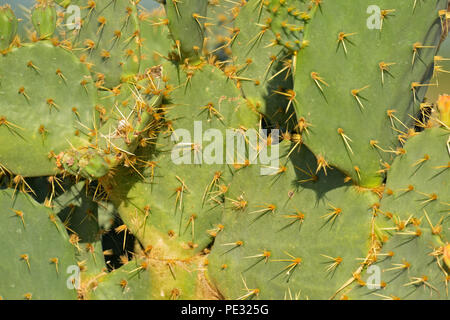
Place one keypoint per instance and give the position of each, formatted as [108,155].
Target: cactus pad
[47,102]
[368,75]
[302,237]
[36,252]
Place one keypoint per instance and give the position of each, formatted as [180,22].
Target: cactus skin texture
[108,40]
[193,193]
[350,73]
[411,267]
[154,30]
[63,3]
[80,215]
[269,248]
[70,102]
[186,20]
[8,27]
[44,19]
[102,128]
[35,251]
[418,182]
[412,225]
[153,279]
[65,102]
[262,68]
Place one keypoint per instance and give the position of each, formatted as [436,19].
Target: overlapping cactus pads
[262,149]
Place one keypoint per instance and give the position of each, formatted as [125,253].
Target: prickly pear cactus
[368,74]
[68,135]
[224,150]
[8,27]
[108,40]
[176,195]
[262,67]
[64,109]
[154,279]
[186,24]
[410,265]
[36,251]
[300,208]
[418,182]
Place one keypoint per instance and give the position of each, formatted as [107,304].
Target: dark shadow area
[276,104]
[305,168]
[113,243]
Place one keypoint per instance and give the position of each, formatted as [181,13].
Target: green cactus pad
[361,79]
[418,182]
[63,3]
[36,252]
[287,21]
[108,40]
[262,67]
[80,215]
[218,27]
[186,19]
[177,203]
[408,267]
[127,115]
[140,154]
[129,282]
[291,234]
[43,17]
[8,27]
[156,40]
[147,278]
[47,104]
